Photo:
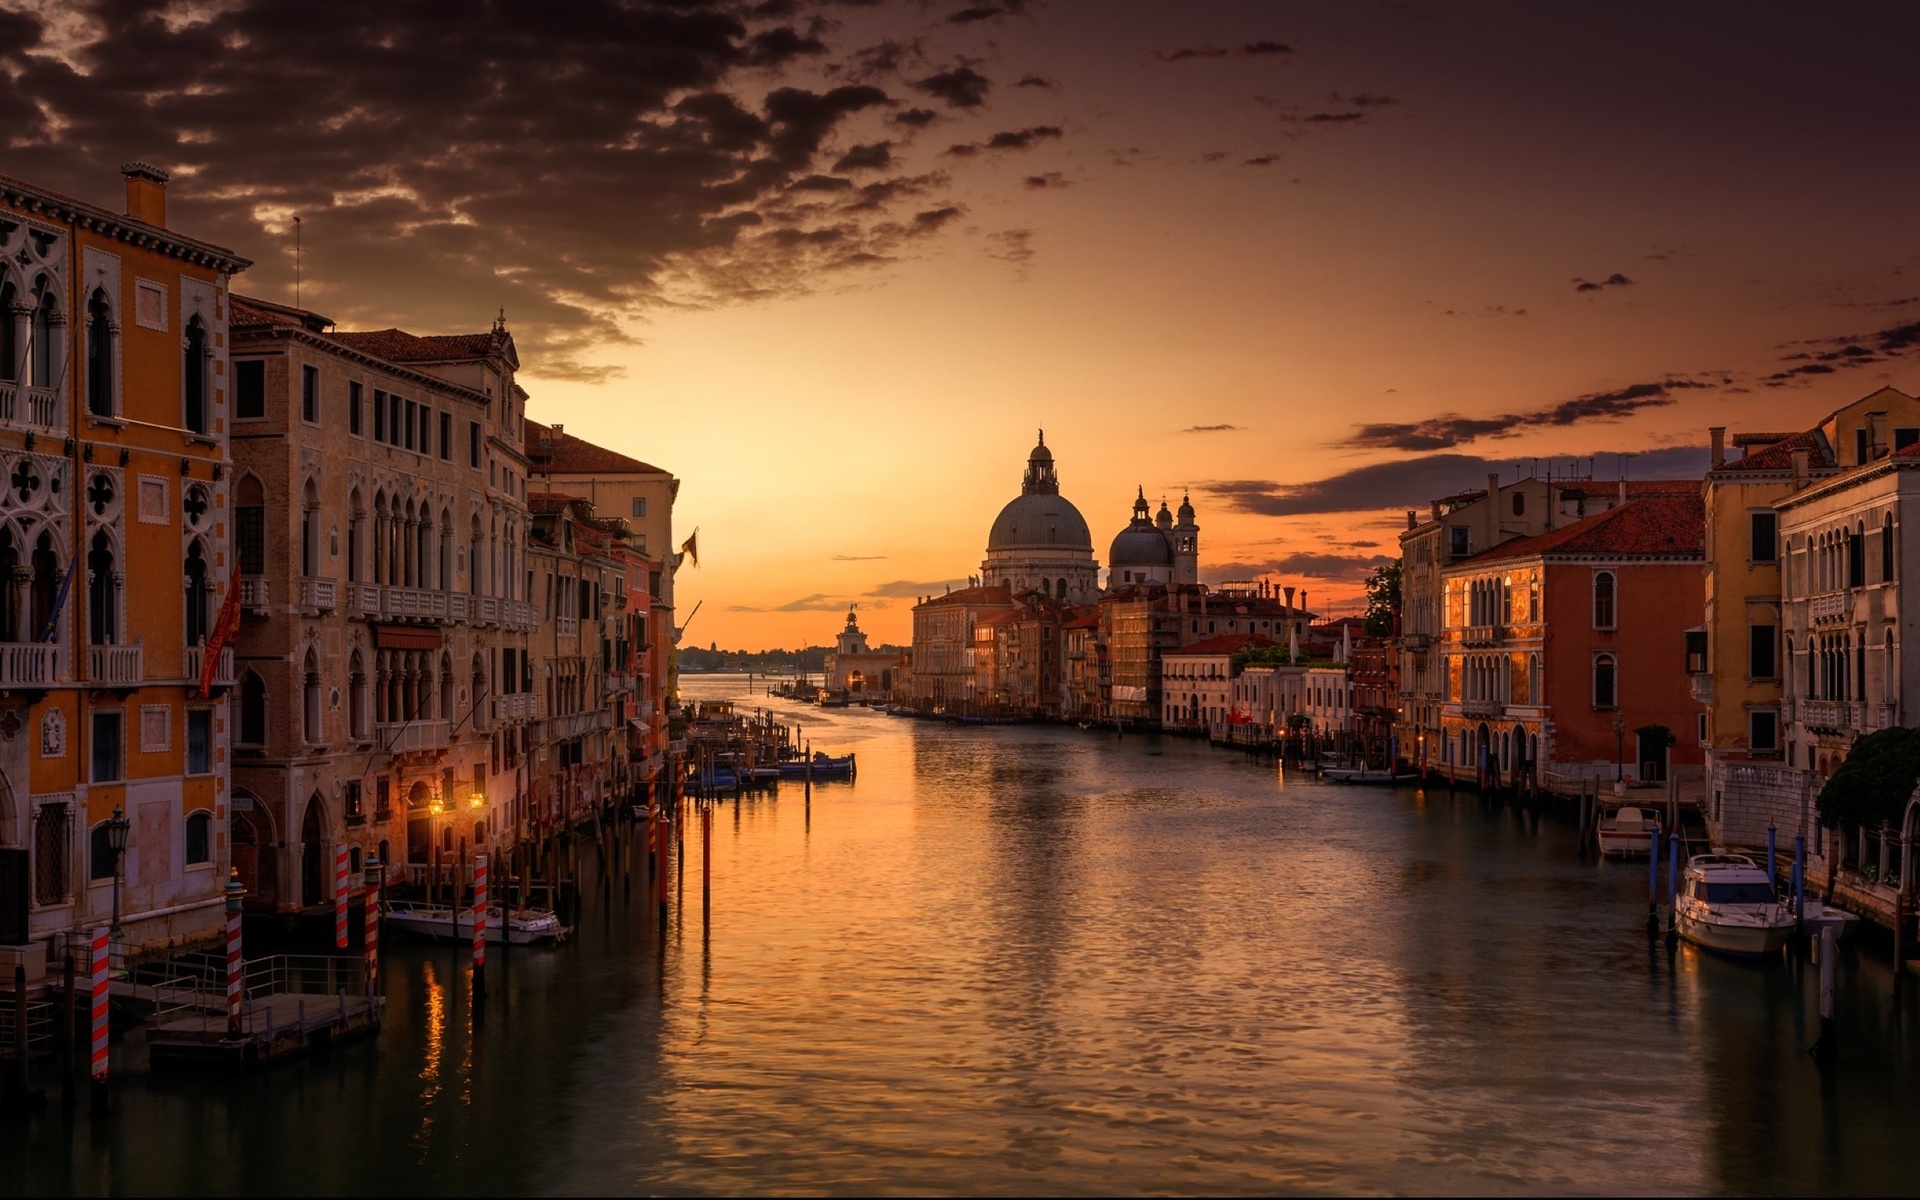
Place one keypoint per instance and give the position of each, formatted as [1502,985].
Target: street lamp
[1619,749]
[117,827]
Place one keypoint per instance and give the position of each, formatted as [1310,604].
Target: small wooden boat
[514,926]
[1727,904]
[1627,832]
[823,766]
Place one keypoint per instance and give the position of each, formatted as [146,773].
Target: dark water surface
[1017,960]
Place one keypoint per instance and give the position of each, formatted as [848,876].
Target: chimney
[1412,519]
[1623,489]
[1303,599]
[1492,518]
[1289,591]
[1876,435]
[146,193]
[1719,435]
[1799,469]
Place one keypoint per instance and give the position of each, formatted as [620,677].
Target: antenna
[296,262]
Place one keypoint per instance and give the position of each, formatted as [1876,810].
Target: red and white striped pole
[479,926]
[340,896]
[98,1062]
[234,967]
[373,924]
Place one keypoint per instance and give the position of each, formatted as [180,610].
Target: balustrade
[28,664]
[317,593]
[21,404]
[116,666]
[255,593]
[411,736]
[519,707]
[568,626]
[1829,607]
[222,668]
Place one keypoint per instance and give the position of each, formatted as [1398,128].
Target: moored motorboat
[1627,832]
[1727,904]
[1367,775]
[514,926]
[822,766]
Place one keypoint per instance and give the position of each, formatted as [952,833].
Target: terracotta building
[115,413]
[1560,647]
[380,522]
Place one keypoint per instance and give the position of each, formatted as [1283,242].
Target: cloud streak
[1452,429]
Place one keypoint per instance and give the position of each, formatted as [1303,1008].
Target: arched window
[1886,549]
[446,550]
[356,519]
[9,343]
[310,697]
[1603,600]
[310,530]
[357,726]
[40,333]
[473,557]
[99,356]
[194,376]
[1857,555]
[199,837]
[253,709]
[250,525]
[1605,683]
[10,630]
[196,600]
[101,860]
[103,593]
[1519,504]
[45,589]
[446,688]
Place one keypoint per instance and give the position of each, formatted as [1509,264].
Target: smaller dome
[1139,546]
[1163,518]
[1186,510]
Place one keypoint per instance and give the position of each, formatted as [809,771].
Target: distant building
[1039,542]
[943,643]
[1154,549]
[1196,682]
[856,669]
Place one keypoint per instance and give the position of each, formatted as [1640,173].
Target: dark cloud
[1261,49]
[1614,280]
[1263,160]
[818,602]
[1327,118]
[1035,81]
[882,60]
[1010,139]
[870,157]
[934,218]
[1451,429]
[975,13]
[1370,100]
[1849,351]
[1012,246]
[1211,429]
[1411,482]
[960,87]
[913,589]
[1050,179]
[575,169]
[1336,568]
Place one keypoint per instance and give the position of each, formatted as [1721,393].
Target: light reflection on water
[1021,960]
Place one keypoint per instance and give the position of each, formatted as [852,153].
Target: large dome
[1040,521]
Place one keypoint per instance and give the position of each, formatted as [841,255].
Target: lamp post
[117,827]
[433,840]
[1619,749]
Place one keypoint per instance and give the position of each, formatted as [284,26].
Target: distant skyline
[833,263]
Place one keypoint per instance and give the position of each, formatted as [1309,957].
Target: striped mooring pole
[373,868]
[340,896]
[234,890]
[98,1062]
[479,926]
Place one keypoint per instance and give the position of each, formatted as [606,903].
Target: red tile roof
[1779,456]
[245,312]
[1226,643]
[399,346]
[1658,526]
[569,455]
[1635,487]
[972,595]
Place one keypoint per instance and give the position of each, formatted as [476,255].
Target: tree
[1383,600]
[1875,780]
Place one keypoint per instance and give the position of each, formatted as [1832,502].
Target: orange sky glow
[1312,264]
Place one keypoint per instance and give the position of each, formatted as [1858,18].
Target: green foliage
[1874,782]
[1383,600]
[1659,735]
[1264,656]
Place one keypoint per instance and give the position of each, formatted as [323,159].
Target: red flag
[225,627]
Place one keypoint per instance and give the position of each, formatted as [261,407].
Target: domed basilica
[1040,542]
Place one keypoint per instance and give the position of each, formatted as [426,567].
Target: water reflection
[1020,960]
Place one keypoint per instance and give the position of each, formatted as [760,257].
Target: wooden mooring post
[1827,949]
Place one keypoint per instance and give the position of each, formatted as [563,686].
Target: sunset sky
[833,264]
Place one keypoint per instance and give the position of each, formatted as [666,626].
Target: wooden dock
[274,1027]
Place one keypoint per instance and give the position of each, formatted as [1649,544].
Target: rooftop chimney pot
[146,193]
[1719,435]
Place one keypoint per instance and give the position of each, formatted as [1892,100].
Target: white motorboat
[1367,775]
[1727,904]
[513,926]
[1627,832]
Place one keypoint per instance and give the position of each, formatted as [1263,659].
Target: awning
[406,637]
[638,726]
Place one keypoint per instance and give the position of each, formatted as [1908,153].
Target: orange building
[113,442]
[1560,648]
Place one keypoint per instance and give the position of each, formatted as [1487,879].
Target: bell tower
[1186,545]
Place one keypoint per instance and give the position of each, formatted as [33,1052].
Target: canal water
[1024,960]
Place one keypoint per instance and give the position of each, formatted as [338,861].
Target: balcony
[412,737]
[222,669]
[519,614]
[569,626]
[459,605]
[1829,608]
[28,664]
[31,406]
[1836,715]
[1417,643]
[1701,687]
[1882,716]
[616,685]
[486,610]
[116,666]
[317,593]
[420,604]
[573,725]
[363,599]
[1481,635]
[521,707]
[255,594]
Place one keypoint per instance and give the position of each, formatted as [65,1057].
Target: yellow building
[113,444]
[1736,658]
